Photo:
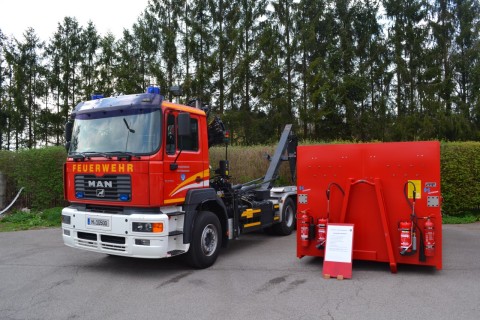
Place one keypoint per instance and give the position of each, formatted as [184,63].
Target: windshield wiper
[128,127]
[123,155]
[89,154]
[77,155]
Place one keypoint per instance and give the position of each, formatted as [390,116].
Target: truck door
[183,165]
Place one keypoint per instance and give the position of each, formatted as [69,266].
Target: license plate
[98,222]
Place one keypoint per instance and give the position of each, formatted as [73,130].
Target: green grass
[19,220]
[468,218]
[50,218]
[248,163]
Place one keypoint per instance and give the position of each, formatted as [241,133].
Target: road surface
[257,277]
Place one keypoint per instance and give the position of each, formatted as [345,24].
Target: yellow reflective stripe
[174,200]
[253,224]
[276,218]
[249,213]
[203,174]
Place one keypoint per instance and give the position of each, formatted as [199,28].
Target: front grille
[112,239]
[103,209]
[114,247]
[87,236]
[85,243]
[108,187]
[107,242]
[85,239]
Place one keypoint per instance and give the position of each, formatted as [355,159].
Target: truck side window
[190,143]
[171,133]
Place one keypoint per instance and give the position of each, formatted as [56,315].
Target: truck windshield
[134,131]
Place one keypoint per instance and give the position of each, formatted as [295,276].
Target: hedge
[40,172]
[460,171]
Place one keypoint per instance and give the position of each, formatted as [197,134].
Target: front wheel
[206,241]
[285,227]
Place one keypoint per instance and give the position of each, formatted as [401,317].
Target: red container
[373,187]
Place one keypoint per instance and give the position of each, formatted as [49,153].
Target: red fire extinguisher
[305,221]
[321,232]
[429,238]
[405,237]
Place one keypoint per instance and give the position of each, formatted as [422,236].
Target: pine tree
[466,61]
[3,96]
[15,104]
[68,47]
[54,83]
[350,85]
[283,39]
[245,82]
[106,65]
[407,40]
[164,17]
[224,20]
[129,71]
[372,75]
[307,15]
[90,45]
[231,51]
[200,46]
[272,91]
[324,67]
[28,75]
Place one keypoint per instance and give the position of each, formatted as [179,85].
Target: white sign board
[339,243]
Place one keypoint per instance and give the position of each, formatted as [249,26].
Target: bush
[460,171]
[39,171]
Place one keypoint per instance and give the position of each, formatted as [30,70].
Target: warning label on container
[414,185]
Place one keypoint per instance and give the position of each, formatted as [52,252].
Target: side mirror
[184,128]
[68,133]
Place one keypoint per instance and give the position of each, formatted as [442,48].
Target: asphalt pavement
[257,277]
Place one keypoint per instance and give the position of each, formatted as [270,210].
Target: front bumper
[116,236]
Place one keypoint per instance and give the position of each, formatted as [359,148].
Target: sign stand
[338,251]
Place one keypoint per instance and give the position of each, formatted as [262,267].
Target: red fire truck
[138,181]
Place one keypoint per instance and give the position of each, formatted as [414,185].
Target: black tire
[206,241]
[287,225]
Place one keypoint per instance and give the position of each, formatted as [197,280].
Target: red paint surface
[373,177]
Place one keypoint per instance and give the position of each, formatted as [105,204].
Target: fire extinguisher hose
[414,218]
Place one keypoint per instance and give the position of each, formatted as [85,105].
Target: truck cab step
[173,214]
[175,252]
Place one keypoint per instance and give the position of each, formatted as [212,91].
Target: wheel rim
[209,240]
[289,216]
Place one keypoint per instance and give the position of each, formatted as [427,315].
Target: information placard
[338,251]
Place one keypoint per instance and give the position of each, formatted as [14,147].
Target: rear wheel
[206,241]
[285,227]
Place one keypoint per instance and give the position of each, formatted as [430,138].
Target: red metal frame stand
[383,214]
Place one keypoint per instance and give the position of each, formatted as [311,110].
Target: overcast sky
[44,15]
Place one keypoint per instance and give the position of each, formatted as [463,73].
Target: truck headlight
[66,219]
[154,227]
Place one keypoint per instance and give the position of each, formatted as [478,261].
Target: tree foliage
[387,70]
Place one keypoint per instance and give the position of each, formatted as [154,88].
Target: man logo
[100,184]
[100,193]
